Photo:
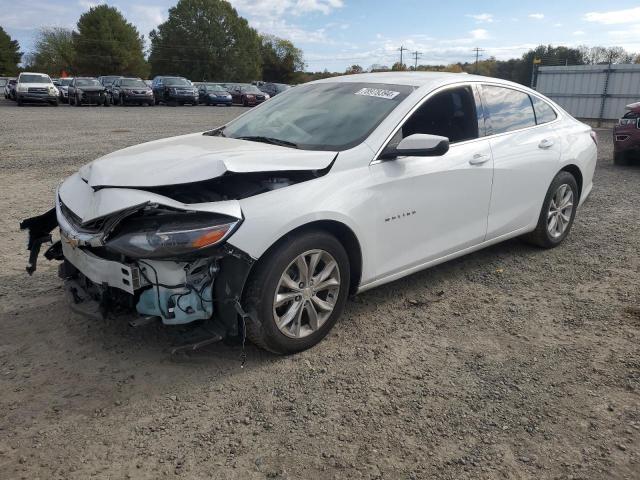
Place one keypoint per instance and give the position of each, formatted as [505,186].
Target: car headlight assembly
[170,235]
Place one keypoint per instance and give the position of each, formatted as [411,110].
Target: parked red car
[626,136]
[247,95]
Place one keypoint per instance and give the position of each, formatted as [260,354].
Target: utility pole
[416,54]
[402,49]
[477,50]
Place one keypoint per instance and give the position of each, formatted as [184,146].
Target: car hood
[38,85]
[194,158]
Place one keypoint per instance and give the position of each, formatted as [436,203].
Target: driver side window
[451,114]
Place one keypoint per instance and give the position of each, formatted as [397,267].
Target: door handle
[546,143]
[480,158]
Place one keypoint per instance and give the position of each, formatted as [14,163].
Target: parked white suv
[267,224]
[37,88]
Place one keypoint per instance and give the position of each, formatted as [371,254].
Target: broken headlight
[170,235]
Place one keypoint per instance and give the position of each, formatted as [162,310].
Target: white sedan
[264,226]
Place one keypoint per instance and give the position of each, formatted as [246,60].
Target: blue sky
[334,34]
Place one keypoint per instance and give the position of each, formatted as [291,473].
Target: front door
[429,207]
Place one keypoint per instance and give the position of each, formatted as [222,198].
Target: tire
[264,281]
[54,103]
[620,159]
[121,101]
[245,103]
[19,100]
[77,102]
[541,236]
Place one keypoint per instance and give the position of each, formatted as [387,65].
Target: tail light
[594,137]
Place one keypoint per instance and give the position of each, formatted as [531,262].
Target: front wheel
[620,159]
[558,212]
[297,292]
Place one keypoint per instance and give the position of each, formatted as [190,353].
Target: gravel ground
[512,362]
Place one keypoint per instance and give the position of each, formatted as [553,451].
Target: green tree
[10,54]
[53,52]
[205,40]
[280,59]
[107,44]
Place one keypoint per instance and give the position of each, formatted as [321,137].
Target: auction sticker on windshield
[378,92]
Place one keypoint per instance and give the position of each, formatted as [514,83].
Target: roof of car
[414,79]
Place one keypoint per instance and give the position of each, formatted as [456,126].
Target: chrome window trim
[471,84]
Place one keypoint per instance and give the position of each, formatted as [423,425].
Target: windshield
[177,82]
[215,88]
[87,82]
[321,116]
[3,82]
[133,83]
[65,82]
[108,80]
[281,87]
[34,79]
[251,89]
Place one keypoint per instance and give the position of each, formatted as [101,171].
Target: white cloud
[482,17]
[87,4]
[277,8]
[630,15]
[536,16]
[557,25]
[146,17]
[579,32]
[479,34]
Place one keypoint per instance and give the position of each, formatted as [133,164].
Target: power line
[402,49]
[477,50]
[416,54]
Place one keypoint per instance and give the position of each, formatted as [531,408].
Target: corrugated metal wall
[591,91]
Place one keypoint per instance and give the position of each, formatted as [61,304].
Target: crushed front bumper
[177,292]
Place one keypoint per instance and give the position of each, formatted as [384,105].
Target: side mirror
[417,145]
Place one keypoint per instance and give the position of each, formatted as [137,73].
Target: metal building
[598,92]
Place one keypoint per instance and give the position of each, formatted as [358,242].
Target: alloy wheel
[560,211]
[306,294]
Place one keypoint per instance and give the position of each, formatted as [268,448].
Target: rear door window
[544,112]
[508,109]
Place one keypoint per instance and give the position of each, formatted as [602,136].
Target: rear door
[525,158]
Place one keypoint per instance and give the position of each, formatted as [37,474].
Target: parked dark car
[174,91]
[626,136]
[131,90]
[10,89]
[247,95]
[87,91]
[214,94]
[274,89]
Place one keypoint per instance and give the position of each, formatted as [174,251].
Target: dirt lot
[512,363]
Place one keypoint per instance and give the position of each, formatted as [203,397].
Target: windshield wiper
[270,140]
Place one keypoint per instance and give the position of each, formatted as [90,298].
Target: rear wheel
[297,292]
[558,212]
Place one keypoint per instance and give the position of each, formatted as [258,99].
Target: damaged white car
[264,226]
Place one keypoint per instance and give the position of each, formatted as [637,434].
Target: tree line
[201,40]
[518,70]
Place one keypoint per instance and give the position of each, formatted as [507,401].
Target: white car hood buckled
[193,158]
